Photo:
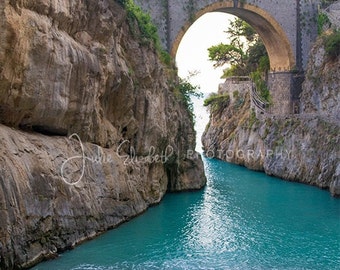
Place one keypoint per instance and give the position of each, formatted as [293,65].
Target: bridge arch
[279,49]
[288,29]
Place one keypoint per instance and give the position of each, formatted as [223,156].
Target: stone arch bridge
[287,27]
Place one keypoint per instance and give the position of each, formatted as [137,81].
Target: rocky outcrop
[321,87]
[303,148]
[91,132]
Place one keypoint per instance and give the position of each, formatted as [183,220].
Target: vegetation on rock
[184,91]
[298,153]
[322,22]
[217,101]
[147,31]
[332,44]
[123,112]
[261,85]
[245,53]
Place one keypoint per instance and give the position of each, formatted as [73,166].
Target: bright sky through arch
[192,54]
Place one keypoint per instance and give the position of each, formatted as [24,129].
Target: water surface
[241,220]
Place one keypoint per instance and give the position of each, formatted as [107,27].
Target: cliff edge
[91,131]
[303,147]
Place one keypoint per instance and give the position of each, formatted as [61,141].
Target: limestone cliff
[303,147]
[91,132]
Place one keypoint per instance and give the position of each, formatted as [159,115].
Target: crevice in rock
[49,131]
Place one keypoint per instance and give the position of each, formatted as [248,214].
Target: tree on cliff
[245,52]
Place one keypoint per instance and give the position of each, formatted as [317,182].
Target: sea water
[241,220]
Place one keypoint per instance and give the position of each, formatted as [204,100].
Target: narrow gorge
[93,128]
[96,127]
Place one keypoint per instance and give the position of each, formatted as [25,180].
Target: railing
[262,109]
[261,106]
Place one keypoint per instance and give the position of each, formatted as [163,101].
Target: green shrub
[252,119]
[217,102]
[264,64]
[332,45]
[165,57]
[184,91]
[322,21]
[261,86]
[148,31]
[233,70]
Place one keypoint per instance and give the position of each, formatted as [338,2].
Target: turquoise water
[241,220]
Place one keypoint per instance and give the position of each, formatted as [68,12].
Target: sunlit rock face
[304,147]
[91,132]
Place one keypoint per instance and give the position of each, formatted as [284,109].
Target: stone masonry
[288,28]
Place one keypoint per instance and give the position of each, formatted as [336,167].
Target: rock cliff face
[321,88]
[303,148]
[91,132]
